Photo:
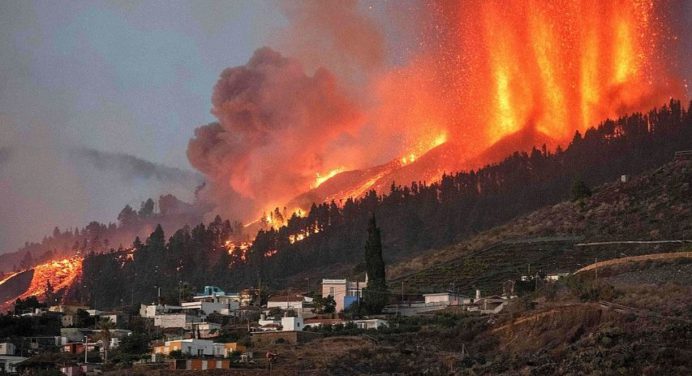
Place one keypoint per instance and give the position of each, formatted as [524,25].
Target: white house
[292,324]
[213,294]
[175,320]
[445,299]
[7,348]
[371,323]
[193,346]
[288,301]
[151,310]
[343,291]
[197,347]
[207,308]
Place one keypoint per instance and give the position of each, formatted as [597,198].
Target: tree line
[413,217]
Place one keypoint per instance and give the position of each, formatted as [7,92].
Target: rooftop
[286,298]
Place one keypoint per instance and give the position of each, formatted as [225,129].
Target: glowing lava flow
[60,273]
[322,178]
[423,148]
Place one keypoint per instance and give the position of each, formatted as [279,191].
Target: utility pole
[86,348]
[158,294]
[357,299]
[402,292]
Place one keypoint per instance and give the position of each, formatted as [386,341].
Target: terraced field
[619,220]
[488,268]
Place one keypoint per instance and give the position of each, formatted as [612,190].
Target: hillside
[652,207]
[423,224]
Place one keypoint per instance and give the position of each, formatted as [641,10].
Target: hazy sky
[118,76]
[132,77]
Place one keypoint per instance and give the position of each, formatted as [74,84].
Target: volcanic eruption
[480,79]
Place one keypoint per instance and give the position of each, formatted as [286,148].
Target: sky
[119,78]
[122,76]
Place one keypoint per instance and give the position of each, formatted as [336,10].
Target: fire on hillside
[486,75]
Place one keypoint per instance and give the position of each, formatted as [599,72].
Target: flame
[242,249]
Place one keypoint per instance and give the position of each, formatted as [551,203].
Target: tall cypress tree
[375,295]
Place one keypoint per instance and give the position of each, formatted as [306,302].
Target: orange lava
[557,66]
[60,273]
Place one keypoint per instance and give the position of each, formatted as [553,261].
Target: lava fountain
[557,67]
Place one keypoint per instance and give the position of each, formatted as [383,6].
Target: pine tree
[375,296]
[157,239]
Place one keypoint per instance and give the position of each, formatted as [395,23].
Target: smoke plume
[276,129]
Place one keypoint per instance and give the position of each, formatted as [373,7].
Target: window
[331,291]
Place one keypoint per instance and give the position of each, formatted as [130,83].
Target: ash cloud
[330,34]
[277,126]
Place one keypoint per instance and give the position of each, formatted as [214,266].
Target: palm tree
[105,325]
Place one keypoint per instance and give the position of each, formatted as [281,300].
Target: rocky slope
[655,206]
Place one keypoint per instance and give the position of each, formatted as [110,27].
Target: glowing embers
[237,250]
[303,234]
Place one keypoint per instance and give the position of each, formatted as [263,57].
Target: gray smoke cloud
[276,126]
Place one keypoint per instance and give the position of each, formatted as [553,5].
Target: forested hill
[414,217]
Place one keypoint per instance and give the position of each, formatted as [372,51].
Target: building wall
[200,364]
[430,299]
[148,311]
[371,324]
[174,320]
[292,323]
[198,347]
[285,305]
[337,290]
[7,348]
[67,320]
[342,288]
